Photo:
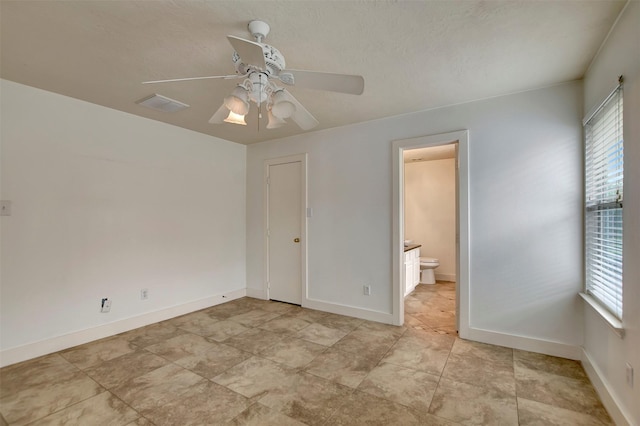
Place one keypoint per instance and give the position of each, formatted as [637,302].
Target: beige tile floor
[253,362]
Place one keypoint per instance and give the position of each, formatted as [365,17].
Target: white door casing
[285,226]
[462,222]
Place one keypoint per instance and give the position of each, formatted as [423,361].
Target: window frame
[603,199]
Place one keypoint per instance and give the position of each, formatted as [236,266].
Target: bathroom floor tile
[229,309]
[254,340]
[197,323]
[118,370]
[363,409]
[307,398]
[285,324]
[320,334]
[481,364]
[95,353]
[157,388]
[346,368]
[206,403]
[260,415]
[421,350]
[340,322]
[274,306]
[104,408]
[203,357]
[255,376]
[22,376]
[559,391]
[37,401]
[532,413]
[405,386]
[222,330]
[254,317]
[258,362]
[376,343]
[152,334]
[292,352]
[473,405]
[549,364]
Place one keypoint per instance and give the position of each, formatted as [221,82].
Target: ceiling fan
[261,67]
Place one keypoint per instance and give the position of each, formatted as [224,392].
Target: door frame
[462,222]
[302,158]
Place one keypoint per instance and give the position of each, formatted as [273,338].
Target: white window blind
[604,160]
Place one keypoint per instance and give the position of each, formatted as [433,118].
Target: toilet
[427,266]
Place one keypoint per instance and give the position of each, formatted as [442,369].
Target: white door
[284,232]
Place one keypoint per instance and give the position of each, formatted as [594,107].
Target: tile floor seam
[33,422]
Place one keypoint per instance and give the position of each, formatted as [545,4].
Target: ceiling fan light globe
[274,122]
[283,109]
[236,105]
[235,119]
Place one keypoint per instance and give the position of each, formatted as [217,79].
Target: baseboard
[256,293]
[607,395]
[65,341]
[351,311]
[530,344]
[446,277]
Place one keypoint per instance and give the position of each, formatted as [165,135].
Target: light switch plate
[5,208]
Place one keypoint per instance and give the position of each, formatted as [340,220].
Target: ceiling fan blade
[220,115]
[227,77]
[343,83]
[301,116]
[250,52]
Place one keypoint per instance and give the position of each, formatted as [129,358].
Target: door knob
[296,240]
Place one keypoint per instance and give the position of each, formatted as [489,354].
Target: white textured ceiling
[414,55]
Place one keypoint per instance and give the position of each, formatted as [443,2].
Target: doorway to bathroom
[430,226]
[430,193]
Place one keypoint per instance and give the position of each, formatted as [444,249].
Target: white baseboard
[65,341]
[607,395]
[351,311]
[446,277]
[256,293]
[525,343]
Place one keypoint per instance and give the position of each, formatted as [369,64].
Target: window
[604,159]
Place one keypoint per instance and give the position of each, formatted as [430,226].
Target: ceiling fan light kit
[274,122]
[260,64]
[234,118]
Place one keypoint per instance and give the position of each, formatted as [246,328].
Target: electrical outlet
[144,294]
[367,290]
[105,305]
[629,375]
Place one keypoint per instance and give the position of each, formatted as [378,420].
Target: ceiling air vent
[162,103]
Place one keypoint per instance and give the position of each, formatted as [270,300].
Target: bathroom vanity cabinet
[411,268]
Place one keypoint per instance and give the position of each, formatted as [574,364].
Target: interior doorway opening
[458,141]
[430,237]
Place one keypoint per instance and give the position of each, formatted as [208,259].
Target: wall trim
[65,341]
[446,277]
[256,293]
[530,344]
[605,391]
[351,311]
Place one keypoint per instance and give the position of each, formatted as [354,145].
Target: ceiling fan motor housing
[272,58]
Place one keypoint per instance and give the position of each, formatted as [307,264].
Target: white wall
[104,204]
[430,211]
[605,350]
[525,210]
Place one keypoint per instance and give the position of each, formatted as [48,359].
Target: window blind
[604,175]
